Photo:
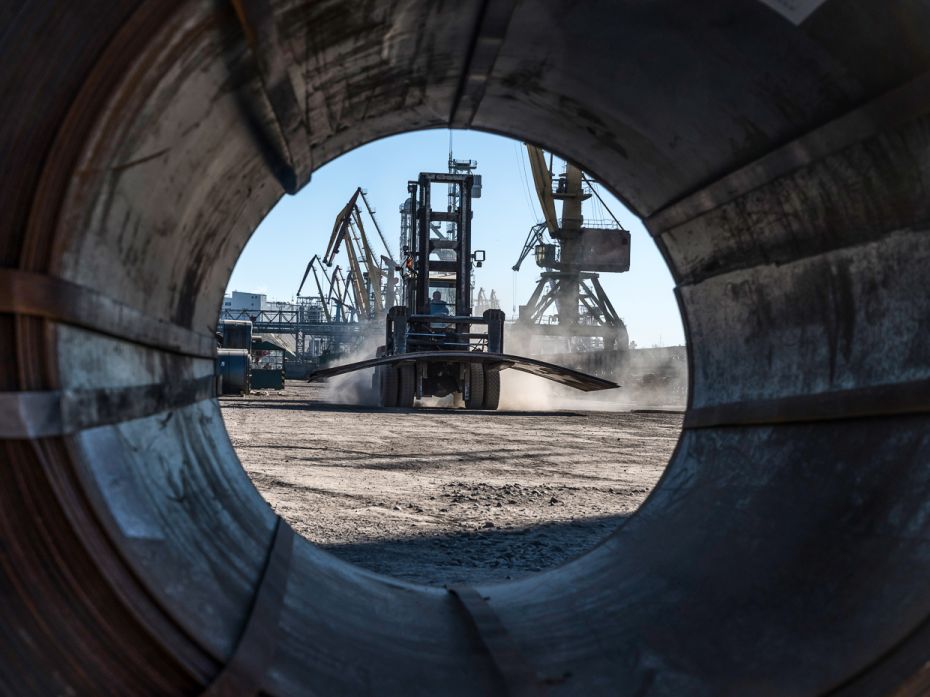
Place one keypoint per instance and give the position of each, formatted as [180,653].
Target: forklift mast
[427,238]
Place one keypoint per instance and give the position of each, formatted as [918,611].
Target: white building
[249,302]
[253,303]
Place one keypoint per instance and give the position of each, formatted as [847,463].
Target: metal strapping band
[47,414]
[271,53]
[40,295]
[881,400]
[245,671]
[493,20]
[519,677]
[891,110]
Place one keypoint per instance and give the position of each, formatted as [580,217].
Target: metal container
[235,367]
[237,333]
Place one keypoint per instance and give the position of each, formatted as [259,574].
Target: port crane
[323,299]
[374,285]
[570,252]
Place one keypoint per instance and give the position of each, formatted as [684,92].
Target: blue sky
[274,260]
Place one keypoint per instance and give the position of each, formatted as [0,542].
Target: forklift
[433,345]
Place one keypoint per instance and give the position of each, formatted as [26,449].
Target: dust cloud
[655,378]
[524,392]
[356,387]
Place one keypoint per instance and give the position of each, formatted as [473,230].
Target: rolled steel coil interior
[779,154]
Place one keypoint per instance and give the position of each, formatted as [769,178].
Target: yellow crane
[568,281]
[349,229]
[567,231]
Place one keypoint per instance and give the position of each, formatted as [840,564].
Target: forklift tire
[475,399]
[492,388]
[407,389]
[388,386]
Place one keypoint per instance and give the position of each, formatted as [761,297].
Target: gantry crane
[568,283]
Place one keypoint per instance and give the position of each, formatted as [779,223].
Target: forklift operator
[437,306]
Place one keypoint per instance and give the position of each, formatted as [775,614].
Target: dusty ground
[445,495]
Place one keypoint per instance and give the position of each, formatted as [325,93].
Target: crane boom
[347,285]
[349,228]
[357,281]
[338,293]
[374,270]
[319,288]
[306,273]
[542,178]
[339,229]
[534,238]
[371,213]
[311,266]
[333,295]
[341,232]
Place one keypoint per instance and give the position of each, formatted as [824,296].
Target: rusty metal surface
[820,321]
[517,673]
[152,482]
[629,132]
[38,295]
[61,412]
[274,56]
[786,166]
[731,550]
[891,110]
[533,366]
[244,673]
[490,32]
[879,400]
[800,214]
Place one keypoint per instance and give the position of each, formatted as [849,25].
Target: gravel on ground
[442,495]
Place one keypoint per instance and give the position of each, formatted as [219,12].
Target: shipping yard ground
[444,495]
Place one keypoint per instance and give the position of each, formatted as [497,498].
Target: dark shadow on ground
[479,556]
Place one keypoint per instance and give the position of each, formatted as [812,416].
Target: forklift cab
[442,299]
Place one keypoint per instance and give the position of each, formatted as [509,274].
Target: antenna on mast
[450,150]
